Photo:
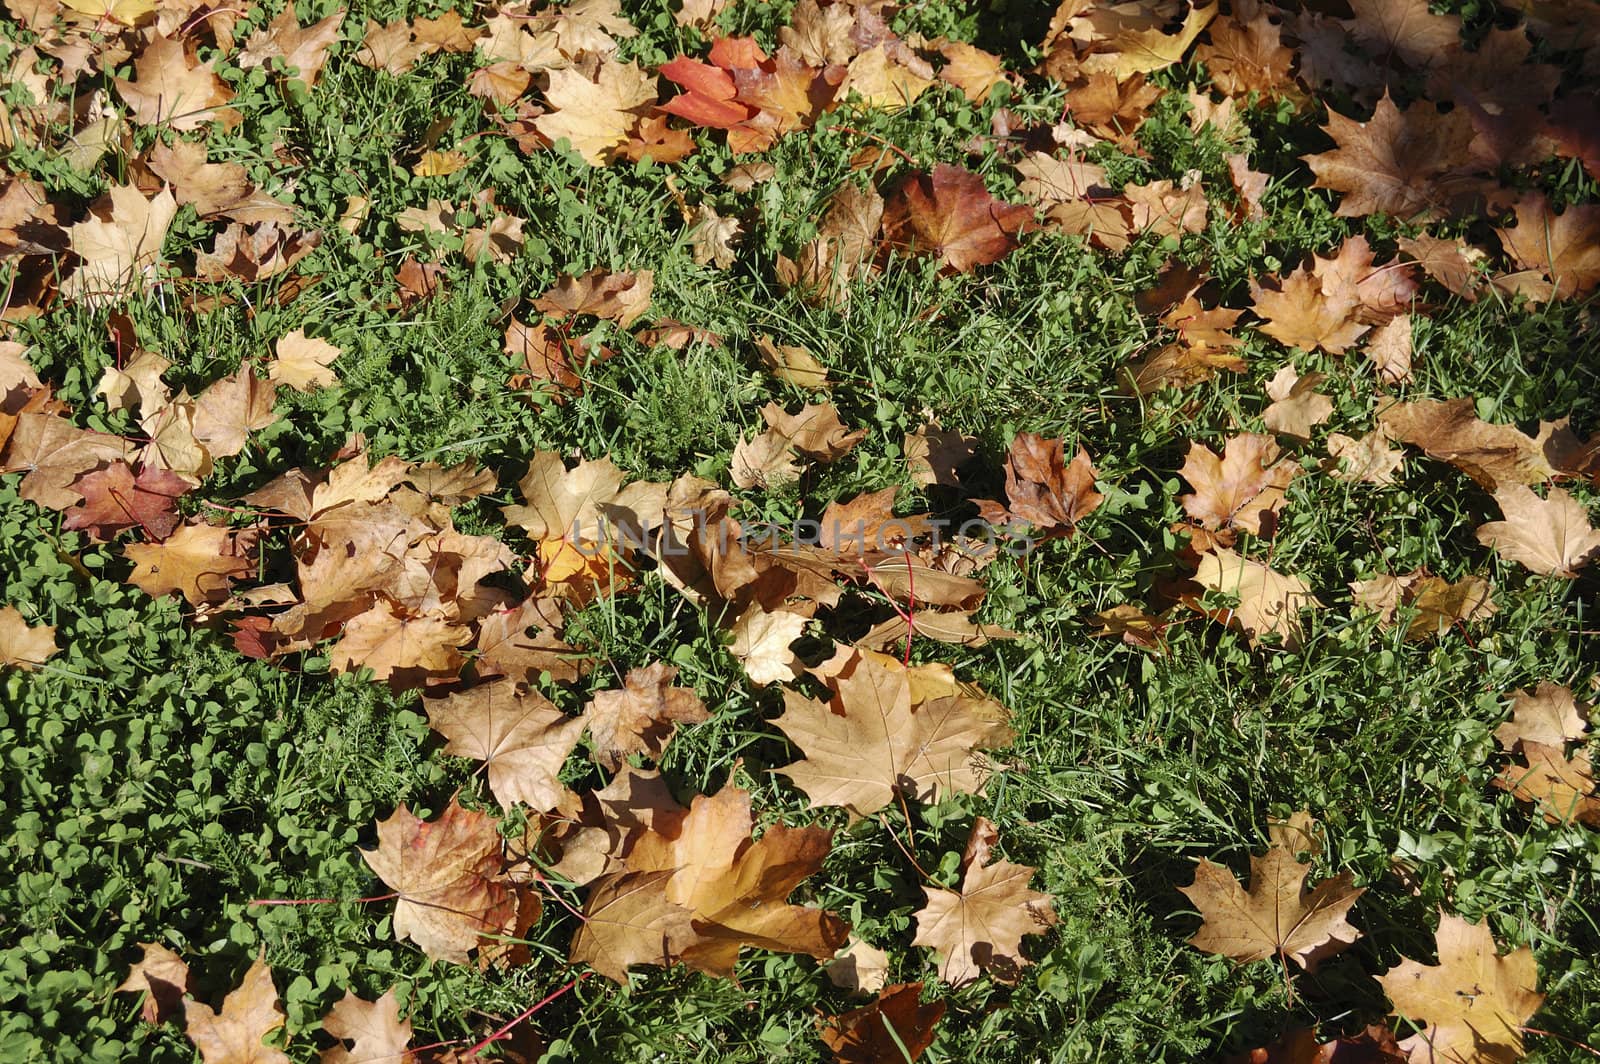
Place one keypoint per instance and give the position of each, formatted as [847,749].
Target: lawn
[393,400]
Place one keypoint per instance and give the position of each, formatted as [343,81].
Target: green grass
[156,782]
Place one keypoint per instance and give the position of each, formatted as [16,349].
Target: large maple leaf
[248,1014]
[1396,162]
[1473,1003]
[979,927]
[950,215]
[520,736]
[595,115]
[448,873]
[118,244]
[1277,915]
[874,738]
[197,561]
[173,88]
[1551,536]
[892,1029]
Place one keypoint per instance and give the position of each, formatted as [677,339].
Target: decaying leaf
[23,646]
[897,1026]
[249,1013]
[1552,536]
[161,975]
[979,927]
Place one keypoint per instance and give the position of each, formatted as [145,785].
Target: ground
[158,781]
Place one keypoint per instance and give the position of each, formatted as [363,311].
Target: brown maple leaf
[1563,249]
[1452,263]
[249,1013]
[641,717]
[23,647]
[1242,489]
[979,927]
[448,873]
[1550,536]
[198,561]
[520,736]
[303,362]
[1549,715]
[1438,604]
[595,114]
[1374,1045]
[115,500]
[162,976]
[304,50]
[1246,54]
[1472,1004]
[1043,488]
[894,1027]
[627,920]
[1403,163]
[1270,602]
[118,245]
[875,738]
[1299,312]
[397,646]
[253,252]
[815,430]
[620,297]
[55,453]
[950,215]
[1278,915]
[214,189]
[935,454]
[172,87]
[520,642]
[1368,460]
[1297,407]
[1561,788]
[374,1028]
[1451,431]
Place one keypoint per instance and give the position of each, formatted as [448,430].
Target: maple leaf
[161,975]
[815,430]
[396,647]
[55,453]
[126,12]
[621,297]
[627,921]
[23,647]
[972,70]
[1299,313]
[1279,914]
[374,1027]
[1450,431]
[1562,248]
[595,115]
[249,1013]
[1549,715]
[949,214]
[173,88]
[1269,601]
[881,82]
[230,408]
[1438,604]
[1374,1045]
[136,386]
[640,718]
[1395,163]
[1369,460]
[934,454]
[793,365]
[858,967]
[303,362]
[1043,488]
[214,189]
[520,736]
[1450,262]
[761,640]
[114,500]
[1242,489]
[712,237]
[1473,1003]
[1562,789]
[841,250]
[1297,407]
[1550,536]
[118,244]
[895,1027]
[302,49]
[873,739]
[1246,54]
[254,252]
[448,873]
[1389,350]
[979,928]
[197,561]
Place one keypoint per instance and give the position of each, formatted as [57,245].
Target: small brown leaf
[895,1027]
[641,717]
[160,974]
[24,647]
[248,1015]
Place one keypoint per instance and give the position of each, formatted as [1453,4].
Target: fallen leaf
[595,115]
[198,561]
[860,967]
[1242,489]
[1043,488]
[114,500]
[621,297]
[1550,536]
[1269,601]
[1450,431]
[979,927]
[761,643]
[1549,715]
[161,975]
[374,1028]
[1396,163]
[793,365]
[249,1014]
[935,454]
[1297,407]
[1562,789]
[1562,248]
[118,245]
[522,739]
[949,214]
[1279,914]
[447,872]
[896,1027]
[1472,1004]
[640,717]
[302,49]
[1389,350]
[171,87]
[392,644]
[303,362]
[23,647]
[1369,460]
[1438,604]
[1298,313]
[873,739]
